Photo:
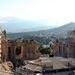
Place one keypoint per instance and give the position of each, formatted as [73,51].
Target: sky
[53,12]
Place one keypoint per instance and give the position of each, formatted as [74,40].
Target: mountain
[57,32]
[65,28]
[21,28]
[62,30]
[15,25]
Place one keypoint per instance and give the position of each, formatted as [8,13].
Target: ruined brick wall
[58,49]
[4,50]
[29,49]
[71,44]
[71,49]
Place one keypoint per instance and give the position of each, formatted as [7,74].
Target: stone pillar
[3,48]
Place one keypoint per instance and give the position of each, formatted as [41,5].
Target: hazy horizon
[36,13]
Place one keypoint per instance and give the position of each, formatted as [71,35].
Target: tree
[48,51]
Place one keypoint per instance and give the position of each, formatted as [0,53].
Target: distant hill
[57,32]
[15,25]
[62,30]
[65,28]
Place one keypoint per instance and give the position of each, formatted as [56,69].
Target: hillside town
[28,57]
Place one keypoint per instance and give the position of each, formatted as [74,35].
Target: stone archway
[18,51]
